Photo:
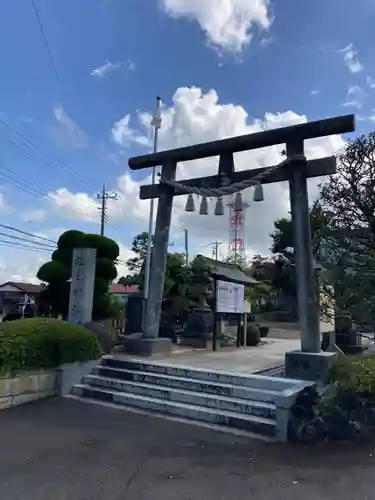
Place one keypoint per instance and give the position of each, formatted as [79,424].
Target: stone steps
[246,406]
[188,384]
[253,404]
[248,423]
[254,381]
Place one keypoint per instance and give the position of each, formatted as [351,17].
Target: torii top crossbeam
[300,132]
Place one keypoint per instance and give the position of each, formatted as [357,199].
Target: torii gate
[295,169]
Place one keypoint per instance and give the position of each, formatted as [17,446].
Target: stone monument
[82,285]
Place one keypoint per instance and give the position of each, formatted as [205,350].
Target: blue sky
[314,59]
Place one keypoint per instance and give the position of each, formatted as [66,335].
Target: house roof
[229,272]
[30,288]
[124,289]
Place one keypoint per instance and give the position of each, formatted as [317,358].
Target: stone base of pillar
[138,345]
[311,366]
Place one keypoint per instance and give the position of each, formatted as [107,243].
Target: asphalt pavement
[63,449]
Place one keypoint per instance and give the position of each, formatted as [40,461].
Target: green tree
[282,248]
[136,264]
[57,273]
[348,250]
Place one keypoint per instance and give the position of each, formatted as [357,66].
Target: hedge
[344,410]
[355,375]
[36,343]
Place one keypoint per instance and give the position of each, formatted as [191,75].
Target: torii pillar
[309,362]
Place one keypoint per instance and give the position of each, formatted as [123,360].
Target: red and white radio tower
[236,249]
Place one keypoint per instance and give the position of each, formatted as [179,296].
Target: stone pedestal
[142,346]
[311,366]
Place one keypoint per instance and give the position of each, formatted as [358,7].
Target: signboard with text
[229,297]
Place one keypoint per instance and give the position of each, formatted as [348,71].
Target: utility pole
[156,123]
[104,197]
[186,246]
[215,249]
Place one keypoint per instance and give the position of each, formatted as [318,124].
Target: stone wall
[26,387]
[33,385]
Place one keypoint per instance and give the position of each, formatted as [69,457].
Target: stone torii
[295,169]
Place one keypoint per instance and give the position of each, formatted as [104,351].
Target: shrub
[54,271]
[355,375]
[70,239]
[36,343]
[252,335]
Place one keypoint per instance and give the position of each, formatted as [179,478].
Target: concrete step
[245,406]
[251,380]
[189,384]
[248,423]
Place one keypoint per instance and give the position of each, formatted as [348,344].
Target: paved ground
[67,450]
[268,354]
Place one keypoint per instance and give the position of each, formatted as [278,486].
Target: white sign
[229,297]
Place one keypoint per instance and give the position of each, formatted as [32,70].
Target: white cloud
[125,254]
[17,264]
[34,215]
[228,24]
[75,205]
[315,92]
[355,97]
[123,134]
[350,56]
[5,208]
[195,117]
[109,67]
[86,207]
[372,117]
[370,82]
[66,131]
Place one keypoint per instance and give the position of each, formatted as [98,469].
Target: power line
[19,238]
[11,228]
[21,246]
[51,58]
[27,187]
[61,166]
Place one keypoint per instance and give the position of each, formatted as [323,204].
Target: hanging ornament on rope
[219,207]
[238,203]
[190,205]
[204,206]
[258,193]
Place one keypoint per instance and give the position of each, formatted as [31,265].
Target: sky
[78,87]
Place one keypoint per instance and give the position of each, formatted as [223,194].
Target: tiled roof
[30,288]
[117,288]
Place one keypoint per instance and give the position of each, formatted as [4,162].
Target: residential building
[15,293]
[122,292]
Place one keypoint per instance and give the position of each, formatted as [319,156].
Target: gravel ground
[63,449]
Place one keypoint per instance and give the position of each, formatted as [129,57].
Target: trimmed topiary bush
[252,335]
[54,271]
[36,343]
[57,273]
[70,239]
[106,269]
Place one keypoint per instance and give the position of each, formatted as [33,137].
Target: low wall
[30,386]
